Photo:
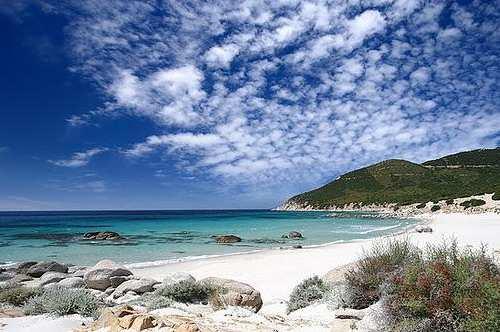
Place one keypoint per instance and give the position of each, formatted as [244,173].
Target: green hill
[403,182]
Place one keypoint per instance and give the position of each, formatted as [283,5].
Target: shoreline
[275,272]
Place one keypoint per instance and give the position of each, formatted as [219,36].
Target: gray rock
[52,277]
[22,278]
[292,235]
[423,229]
[72,282]
[138,286]
[177,277]
[224,239]
[39,269]
[98,277]
[4,276]
[77,271]
[233,293]
[129,297]
[118,280]
[109,291]
[106,235]
[23,267]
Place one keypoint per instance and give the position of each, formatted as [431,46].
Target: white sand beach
[275,272]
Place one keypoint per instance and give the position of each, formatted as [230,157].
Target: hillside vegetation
[403,182]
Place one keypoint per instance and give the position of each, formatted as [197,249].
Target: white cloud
[364,25]
[221,56]
[420,75]
[79,159]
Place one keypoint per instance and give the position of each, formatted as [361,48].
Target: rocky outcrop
[423,229]
[176,277]
[139,286]
[224,239]
[292,235]
[229,292]
[38,269]
[52,277]
[99,276]
[23,267]
[107,235]
[72,282]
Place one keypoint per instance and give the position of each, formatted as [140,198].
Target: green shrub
[305,293]
[365,279]
[155,301]
[445,290]
[421,205]
[435,208]
[17,295]
[186,292]
[472,202]
[496,197]
[450,201]
[63,301]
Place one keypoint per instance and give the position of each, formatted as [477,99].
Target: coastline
[275,272]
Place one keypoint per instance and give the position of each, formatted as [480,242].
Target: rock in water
[107,235]
[99,276]
[233,293]
[39,269]
[292,235]
[227,239]
[423,229]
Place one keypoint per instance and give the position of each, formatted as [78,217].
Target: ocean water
[154,237]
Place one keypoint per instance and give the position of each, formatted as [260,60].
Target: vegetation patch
[364,280]
[63,301]
[17,295]
[445,290]
[472,203]
[186,291]
[307,292]
[421,205]
[450,201]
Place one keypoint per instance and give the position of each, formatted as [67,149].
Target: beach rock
[77,271]
[129,297]
[292,235]
[176,277]
[52,277]
[227,239]
[297,246]
[118,280]
[72,282]
[21,278]
[423,229]
[138,286]
[4,276]
[99,276]
[23,267]
[233,293]
[106,235]
[123,318]
[374,318]
[38,269]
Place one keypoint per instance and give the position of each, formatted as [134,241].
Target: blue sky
[222,104]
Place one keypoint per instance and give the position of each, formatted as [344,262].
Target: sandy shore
[275,272]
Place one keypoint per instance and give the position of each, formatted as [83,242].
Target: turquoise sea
[154,237]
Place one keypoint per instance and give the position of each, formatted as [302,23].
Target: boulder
[292,235]
[21,278]
[38,269]
[227,239]
[129,297]
[423,229]
[52,277]
[4,276]
[23,267]
[77,271]
[233,293]
[106,235]
[118,280]
[176,277]
[99,276]
[123,318]
[138,286]
[72,282]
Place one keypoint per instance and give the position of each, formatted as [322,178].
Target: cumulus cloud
[273,92]
[79,159]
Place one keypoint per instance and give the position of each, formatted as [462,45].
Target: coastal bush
[305,293]
[365,279]
[472,202]
[187,291]
[17,295]
[63,301]
[450,201]
[421,206]
[155,301]
[447,289]
[435,208]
